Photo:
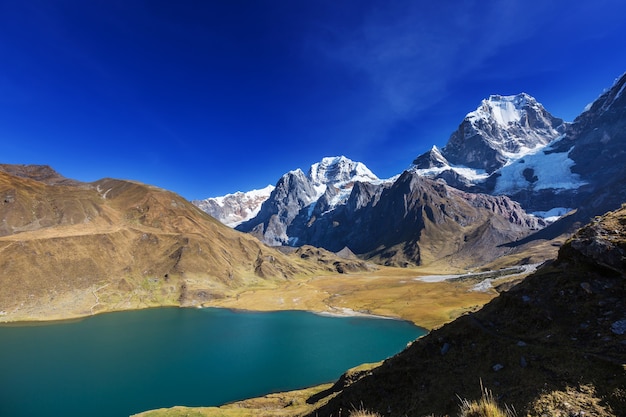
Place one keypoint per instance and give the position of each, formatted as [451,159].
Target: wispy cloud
[410,53]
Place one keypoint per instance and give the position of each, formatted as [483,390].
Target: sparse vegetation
[486,406]
[363,413]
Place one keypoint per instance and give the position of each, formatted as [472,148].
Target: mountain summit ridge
[328,182]
[509,146]
[501,130]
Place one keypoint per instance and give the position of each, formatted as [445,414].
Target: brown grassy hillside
[70,248]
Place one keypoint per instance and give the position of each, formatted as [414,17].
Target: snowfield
[548,170]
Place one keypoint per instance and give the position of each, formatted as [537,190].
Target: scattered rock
[585,286]
[523,362]
[619,327]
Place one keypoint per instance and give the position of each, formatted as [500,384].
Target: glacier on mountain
[541,170]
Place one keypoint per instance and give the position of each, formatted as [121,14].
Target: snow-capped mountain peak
[500,130]
[339,170]
[503,109]
[233,209]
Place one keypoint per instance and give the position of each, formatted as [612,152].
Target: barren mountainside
[116,244]
[418,221]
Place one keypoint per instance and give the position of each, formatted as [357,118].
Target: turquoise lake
[117,364]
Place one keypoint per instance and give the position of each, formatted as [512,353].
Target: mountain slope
[113,244]
[501,129]
[417,221]
[555,344]
[330,180]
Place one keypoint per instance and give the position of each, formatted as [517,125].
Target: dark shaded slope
[553,345]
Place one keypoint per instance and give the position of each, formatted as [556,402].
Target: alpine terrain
[402,221]
[328,184]
[233,209]
[508,171]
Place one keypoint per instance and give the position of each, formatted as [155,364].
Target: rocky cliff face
[326,185]
[555,344]
[416,220]
[293,192]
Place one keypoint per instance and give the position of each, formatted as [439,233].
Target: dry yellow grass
[486,406]
[389,292]
[363,413]
[285,404]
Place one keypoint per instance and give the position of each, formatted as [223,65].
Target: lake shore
[387,293]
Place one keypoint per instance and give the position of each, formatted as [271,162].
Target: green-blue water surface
[117,364]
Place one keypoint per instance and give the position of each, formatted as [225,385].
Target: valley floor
[390,292]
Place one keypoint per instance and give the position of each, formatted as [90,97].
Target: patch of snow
[473,175]
[341,197]
[237,207]
[320,189]
[390,180]
[504,111]
[339,169]
[522,152]
[244,196]
[553,214]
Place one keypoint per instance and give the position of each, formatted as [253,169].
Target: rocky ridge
[416,221]
[328,182]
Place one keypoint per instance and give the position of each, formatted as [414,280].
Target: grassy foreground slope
[555,344]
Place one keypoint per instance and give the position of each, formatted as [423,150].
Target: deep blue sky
[210,97]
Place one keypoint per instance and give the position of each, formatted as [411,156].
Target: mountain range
[507,176]
[511,179]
